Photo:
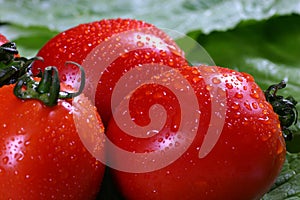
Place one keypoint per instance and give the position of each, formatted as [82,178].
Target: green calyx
[11,67]
[18,70]
[284,107]
[47,89]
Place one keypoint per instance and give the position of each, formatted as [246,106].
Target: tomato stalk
[18,70]
[47,89]
[284,107]
[11,67]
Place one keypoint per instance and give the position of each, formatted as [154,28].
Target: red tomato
[3,39]
[122,43]
[41,154]
[242,164]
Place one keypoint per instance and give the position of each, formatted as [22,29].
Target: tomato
[3,39]
[41,153]
[234,155]
[122,44]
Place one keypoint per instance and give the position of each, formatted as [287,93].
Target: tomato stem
[18,70]
[47,89]
[11,67]
[284,107]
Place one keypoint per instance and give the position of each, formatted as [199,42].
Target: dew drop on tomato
[140,44]
[266,136]
[254,105]
[235,106]
[229,85]
[240,78]
[254,94]
[64,77]
[5,160]
[239,95]
[19,156]
[247,105]
[2,170]
[215,80]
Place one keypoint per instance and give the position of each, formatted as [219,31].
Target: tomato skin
[3,39]
[42,156]
[76,43]
[242,165]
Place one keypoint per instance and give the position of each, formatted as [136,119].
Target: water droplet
[215,80]
[5,160]
[47,129]
[196,79]
[247,105]
[171,62]
[265,112]
[235,106]
[241,79]
[261,105]
[195,71]
[254,105]
[237,115]
[254,94]
[21,131]
[162,53]
[208,87]
[140,44]
[1,170]
[19,156]
[229,85]
[152,132]
[239,95]
[64,77]
[147,56]
[266,136]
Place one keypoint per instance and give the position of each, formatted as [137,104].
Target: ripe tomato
[41,154]
[242,164]
[115,46]
[3,39]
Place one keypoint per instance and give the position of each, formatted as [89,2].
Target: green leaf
[28,39]
[287,185]
[181,15]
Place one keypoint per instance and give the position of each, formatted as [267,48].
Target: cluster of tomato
[43,157]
